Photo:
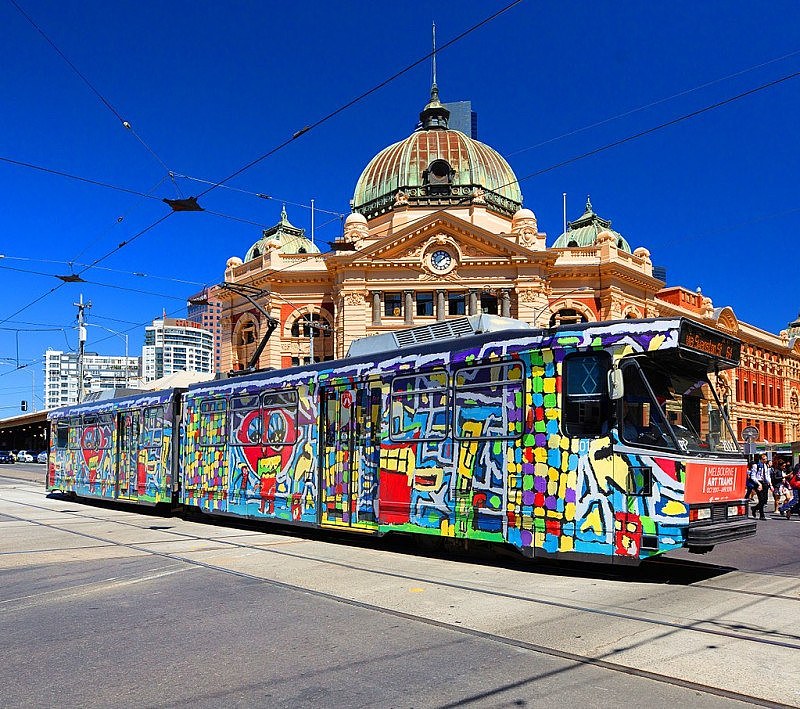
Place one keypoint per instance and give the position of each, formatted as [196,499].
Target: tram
[596,441]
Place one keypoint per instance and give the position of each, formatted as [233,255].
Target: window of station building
[566,316]
[489,304]
[153,427]
[420,407]
[425,304]
[585,394]
[393,305]
[280,417]
[456,304]
[212,422]
[488,401]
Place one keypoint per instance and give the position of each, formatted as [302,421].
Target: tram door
[350,450]
[128,432]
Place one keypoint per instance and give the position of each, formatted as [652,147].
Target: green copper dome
[284,236]
[439,167]
[584,231]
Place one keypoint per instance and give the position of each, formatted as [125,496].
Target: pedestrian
[761,475]
[792,506]
[780,470]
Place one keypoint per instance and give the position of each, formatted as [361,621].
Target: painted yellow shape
[398,460]
[304,466]
[566,543]
[538,538]
[552,487]
[613,469]
[416,590]
[674,508]
[569,512]
[549,385]
[540,455]
[656,342]
[593,522]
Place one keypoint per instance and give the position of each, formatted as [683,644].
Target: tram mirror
[616,389]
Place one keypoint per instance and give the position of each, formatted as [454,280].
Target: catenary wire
[563,163]
[88,83]
[654,103]
[360,97]
[274,150]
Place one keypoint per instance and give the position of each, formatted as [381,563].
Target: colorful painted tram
[602,441]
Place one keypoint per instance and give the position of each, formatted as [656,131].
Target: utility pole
[81,306]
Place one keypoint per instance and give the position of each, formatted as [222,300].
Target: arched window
[438,177]
[566,316]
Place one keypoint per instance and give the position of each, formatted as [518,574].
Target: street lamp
[119,334]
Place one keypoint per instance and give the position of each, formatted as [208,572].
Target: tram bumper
[703,536]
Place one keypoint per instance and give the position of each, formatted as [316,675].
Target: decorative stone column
[408,307]
[472,308]
[440,314]
[376,307]
[505,303]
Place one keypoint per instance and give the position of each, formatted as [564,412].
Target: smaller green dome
[285,237]
[584,231]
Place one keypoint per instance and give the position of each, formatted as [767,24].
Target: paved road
[101,606]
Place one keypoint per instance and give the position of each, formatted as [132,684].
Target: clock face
[441,260]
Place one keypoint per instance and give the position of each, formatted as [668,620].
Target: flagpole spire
[434,56]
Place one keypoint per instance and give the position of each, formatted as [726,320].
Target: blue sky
[209,87]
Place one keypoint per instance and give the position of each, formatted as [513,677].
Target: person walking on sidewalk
[761,475]
[793,504]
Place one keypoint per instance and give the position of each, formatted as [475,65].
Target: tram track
[577,658]
[146,547]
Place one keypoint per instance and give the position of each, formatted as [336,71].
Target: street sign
[750,433]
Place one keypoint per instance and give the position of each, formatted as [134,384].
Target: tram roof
[616,332]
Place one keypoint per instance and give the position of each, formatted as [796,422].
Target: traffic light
[23,405]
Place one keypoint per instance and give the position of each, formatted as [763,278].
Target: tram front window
[674,408]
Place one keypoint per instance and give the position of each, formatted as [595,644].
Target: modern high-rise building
[205,310]
[463,118]
[172,345]
[100,372]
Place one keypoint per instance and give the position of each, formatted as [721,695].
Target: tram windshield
[667,405]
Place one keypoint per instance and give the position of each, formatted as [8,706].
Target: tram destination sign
[710,342]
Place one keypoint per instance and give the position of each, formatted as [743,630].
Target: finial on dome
[284,216]
[433,83]
[434,115]
[588,205]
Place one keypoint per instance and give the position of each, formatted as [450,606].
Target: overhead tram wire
[88,83]
[589,153]
[653,104]
[357,99]
[278,147]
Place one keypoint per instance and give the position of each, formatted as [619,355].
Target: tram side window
[246,420]
[92,434]
[153,427]
[74,436]
[586,406]
[280,417]
[212,422]
[489,401]
[62,434]
[420,407]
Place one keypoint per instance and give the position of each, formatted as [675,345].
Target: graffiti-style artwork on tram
[602,440]
[117,449]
